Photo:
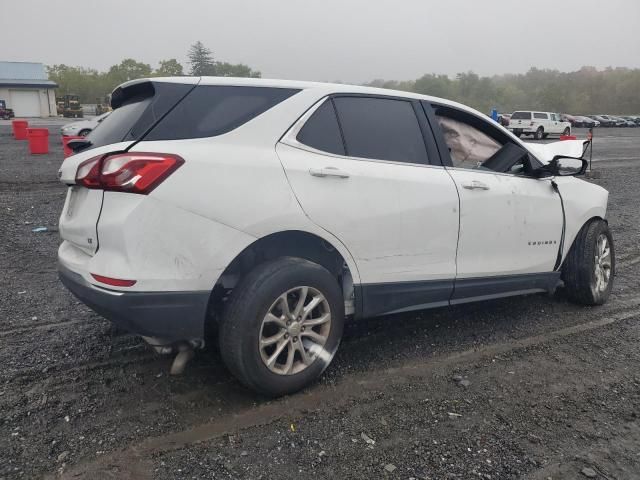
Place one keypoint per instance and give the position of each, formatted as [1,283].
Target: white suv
[270,211]
[538,124]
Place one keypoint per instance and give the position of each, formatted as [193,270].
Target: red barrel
[65,140]
[20,129]
[38,140]
[568,137]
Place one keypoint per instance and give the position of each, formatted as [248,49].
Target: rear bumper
[169,315]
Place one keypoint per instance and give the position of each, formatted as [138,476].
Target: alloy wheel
[295,330]
[602,263]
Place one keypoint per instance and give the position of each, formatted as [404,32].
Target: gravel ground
[533,388]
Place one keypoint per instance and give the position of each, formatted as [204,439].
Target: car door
[364,169]
[555,126]
[510,223]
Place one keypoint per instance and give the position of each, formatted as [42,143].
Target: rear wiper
[79,144]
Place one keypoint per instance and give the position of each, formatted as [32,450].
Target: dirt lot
[551,390]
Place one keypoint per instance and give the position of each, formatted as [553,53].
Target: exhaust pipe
[184,350]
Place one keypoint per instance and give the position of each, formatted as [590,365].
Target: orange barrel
[38,140]
[568,137]
[20,129]
[65,140]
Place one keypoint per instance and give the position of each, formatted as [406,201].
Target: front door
[510,223]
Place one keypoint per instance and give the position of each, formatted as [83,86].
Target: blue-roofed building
[26,88]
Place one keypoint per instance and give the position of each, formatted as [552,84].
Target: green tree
[201,60]
[128,69]
[89,84]
[224,69]
[169,68]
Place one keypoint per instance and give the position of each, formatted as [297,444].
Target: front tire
[85,132]
[566,132]
[282,325]
[589,268]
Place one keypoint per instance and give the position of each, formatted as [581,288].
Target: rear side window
[521,116]
[139,106]
[542,116]
[381,128]
[321,131]
[211,110]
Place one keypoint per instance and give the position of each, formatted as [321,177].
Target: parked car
[614,121]
[627,122]
[271,211]
[565,117]
[604,121]
[83,127]
[585,122]
[632,118]
[6,113]
[538,124]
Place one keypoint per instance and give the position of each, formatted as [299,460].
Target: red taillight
[127,172]
[114,282]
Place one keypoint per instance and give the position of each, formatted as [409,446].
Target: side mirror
[562,166]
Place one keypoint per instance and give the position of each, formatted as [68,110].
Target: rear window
[542,116]
[381,128]
[521,116]
[143,105]
[322,130]
[211,110]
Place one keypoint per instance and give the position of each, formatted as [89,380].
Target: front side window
[475,144]
[381,128]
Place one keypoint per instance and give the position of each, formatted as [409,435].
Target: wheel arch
[569,244]
[329,253]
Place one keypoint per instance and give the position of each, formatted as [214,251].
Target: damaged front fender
[545,152]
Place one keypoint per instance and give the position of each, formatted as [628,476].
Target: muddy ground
[553,388]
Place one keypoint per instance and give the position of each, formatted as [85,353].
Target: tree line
[583,92]
[92,85]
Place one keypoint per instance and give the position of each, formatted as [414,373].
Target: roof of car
[327,88]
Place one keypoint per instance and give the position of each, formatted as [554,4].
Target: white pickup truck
[538,124]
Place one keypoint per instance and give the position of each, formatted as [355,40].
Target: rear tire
[589,268]
[256,314]
[539,133]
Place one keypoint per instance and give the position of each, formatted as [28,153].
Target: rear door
[361,169]
[138,106]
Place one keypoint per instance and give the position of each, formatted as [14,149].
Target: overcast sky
[347,40]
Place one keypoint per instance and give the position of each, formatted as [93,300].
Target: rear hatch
[138,106]
[520,119]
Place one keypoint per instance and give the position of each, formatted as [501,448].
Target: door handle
[328,172]
[475,185]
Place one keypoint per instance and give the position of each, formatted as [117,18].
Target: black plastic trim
[168,315]
[385,298]
[471,289]
[374,299]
